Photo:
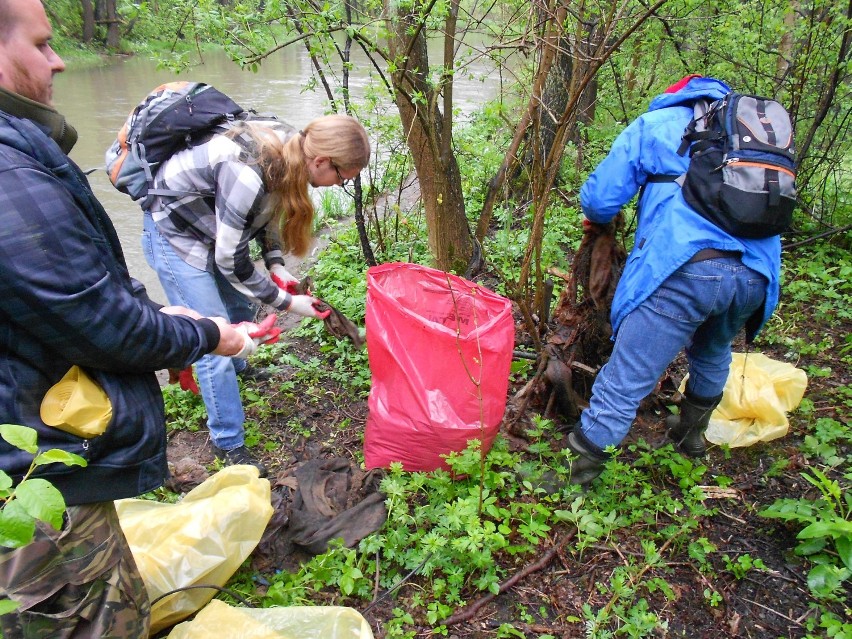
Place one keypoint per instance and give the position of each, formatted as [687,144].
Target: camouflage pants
[80,582]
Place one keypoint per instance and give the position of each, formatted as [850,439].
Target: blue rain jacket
[669,231]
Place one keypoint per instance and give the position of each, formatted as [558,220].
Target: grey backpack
[742,169]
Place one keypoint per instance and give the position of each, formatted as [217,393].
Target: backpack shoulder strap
[699,129]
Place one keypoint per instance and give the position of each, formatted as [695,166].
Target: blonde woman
[249,183]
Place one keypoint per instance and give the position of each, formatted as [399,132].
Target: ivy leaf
[22,437]
[41,500]
[5,482]
[16,526]
[836,528]
[824,579]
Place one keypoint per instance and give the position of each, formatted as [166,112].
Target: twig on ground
[772,610]
[470,611]
[638,577]
[398,585]
[376,580]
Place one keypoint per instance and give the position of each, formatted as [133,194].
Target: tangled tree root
[578,342]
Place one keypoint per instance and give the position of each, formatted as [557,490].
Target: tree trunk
[113,33]
[427,134]
[88,21]
[542,132]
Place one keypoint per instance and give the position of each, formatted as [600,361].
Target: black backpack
[171,117]
[742,169]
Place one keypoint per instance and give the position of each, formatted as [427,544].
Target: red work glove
[283,279]
[266,332]
[309,306]
[594,228]
[185,378]
[256,334]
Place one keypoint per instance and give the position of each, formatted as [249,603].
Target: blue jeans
[700,307]
[211,295]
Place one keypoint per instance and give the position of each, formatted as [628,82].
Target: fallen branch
[470,611]
[814,238]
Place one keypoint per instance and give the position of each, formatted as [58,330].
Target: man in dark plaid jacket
[66,299]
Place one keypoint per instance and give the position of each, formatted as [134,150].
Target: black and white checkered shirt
[212,226]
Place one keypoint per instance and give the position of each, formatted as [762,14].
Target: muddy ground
[766,604]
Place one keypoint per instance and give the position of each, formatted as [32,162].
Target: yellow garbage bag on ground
[758,394]
[218,619]
[202,539]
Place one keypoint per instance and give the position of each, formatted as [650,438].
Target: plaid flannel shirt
[211,227]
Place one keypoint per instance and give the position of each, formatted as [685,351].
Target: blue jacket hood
[695,89]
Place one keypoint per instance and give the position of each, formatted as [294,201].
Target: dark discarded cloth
[331,504]
[339,325]
[336,322]
[598,264]
[328,499]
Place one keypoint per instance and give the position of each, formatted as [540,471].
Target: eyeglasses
[343,181]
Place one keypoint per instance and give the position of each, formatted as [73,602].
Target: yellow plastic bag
[202,539]
[77,404]
[758,394]
[218,619]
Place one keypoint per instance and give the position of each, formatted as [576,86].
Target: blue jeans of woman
[700,308]
[211,295]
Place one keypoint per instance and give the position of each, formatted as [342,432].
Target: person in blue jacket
[66,300]
[687,284]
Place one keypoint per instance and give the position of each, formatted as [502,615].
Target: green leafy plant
[742,565]
[33,499]
[184,409]
[829,523]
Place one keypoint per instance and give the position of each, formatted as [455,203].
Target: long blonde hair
[341,138]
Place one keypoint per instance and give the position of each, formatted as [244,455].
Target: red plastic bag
[431,336]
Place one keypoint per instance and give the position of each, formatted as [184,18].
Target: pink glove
[266,332]
[283,279]
[309,306]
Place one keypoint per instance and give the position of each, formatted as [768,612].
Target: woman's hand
[309,306]
[283,279]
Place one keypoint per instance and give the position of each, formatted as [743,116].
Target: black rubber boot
[589,462]
[687,429]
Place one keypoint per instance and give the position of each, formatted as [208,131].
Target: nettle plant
[32,499]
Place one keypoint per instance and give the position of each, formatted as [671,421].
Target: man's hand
[283,279]
[309,306]
[180,310]
[256,334]
[264,333]
[231,340]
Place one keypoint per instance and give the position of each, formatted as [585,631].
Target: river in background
[97,101]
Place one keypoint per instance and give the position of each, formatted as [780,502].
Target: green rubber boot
[589,462]
[687,429]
